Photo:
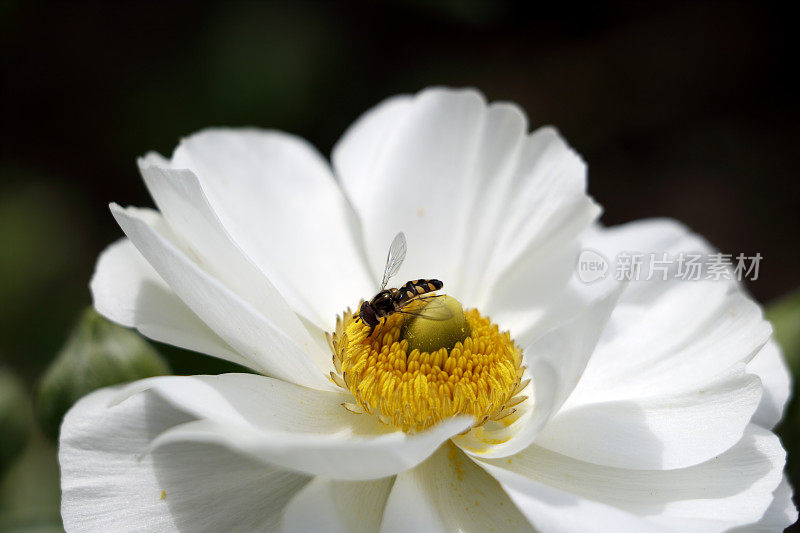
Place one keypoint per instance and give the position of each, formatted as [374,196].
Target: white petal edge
[126,290]
[186,208]
[770,366]
[779,515]
[655,235]
[256,338]
[188,486]
[666,235]
[732,489]
[705,327]
[256,401]
[666,339]
[347,458]
[290,426]
[517,192]
[279,202]
[670,430]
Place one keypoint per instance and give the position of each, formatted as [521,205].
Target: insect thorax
[384,302]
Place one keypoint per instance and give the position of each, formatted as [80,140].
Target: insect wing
[434,310]
[397,253]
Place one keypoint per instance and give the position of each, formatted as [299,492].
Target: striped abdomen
[415,288]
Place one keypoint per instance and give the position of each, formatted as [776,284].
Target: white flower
[650,406]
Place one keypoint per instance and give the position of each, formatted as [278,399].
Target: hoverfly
[390,301]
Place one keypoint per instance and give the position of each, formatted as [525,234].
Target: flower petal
[257,401]
[703,326]
[770,366]
[657,305]
[671,347]
[779,515]
[660,431]
[448,492]
[338,506]
[256,338]
[127,290]
[186,209]
[538,294]
[473,192]
[732,489]
[278,201]
[188,486]
[552,510]
[291,426]
[555,364]
[656,235]
[658,326]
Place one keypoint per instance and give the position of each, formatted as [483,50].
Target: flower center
[396,374]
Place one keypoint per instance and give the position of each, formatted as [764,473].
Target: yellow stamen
[412,389]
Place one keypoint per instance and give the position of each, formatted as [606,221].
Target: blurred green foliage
[44,262]
[30,494]
[785,317]
[14,418]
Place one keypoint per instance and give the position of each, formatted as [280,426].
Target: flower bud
[97,354]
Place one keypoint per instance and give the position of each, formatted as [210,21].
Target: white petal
[356,155]
[643,236]
[703,327]
[657,316]
[278,201]
[421,164]
[472,191]
[256,338]
[449,493]
[552,510]
[258,401]
[732,489]
[338,506]
[669,345]
[779,515]
[656,235]
[187,487]
[336,456]
[661,431]
[770,366]
[659,327]
[186,209]
[555,364]
[294,427]
[127,290]
[528,284]
[539,293]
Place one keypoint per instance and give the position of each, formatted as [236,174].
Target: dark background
[685,110]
